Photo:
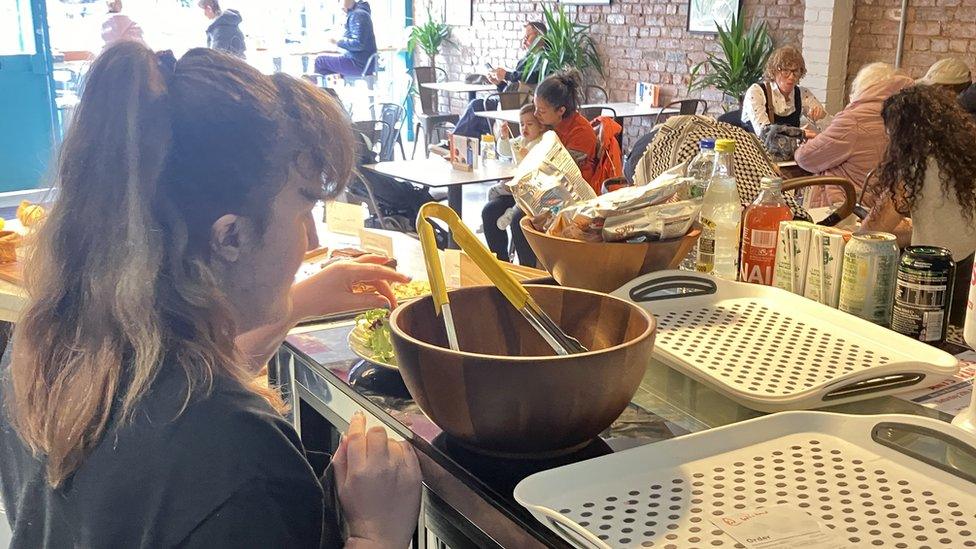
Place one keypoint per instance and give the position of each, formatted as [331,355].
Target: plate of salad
[371,339]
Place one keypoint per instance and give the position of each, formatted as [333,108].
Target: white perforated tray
[851,473]
[771,350]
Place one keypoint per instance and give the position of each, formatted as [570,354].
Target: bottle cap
[725,145]
[707,143]
[771,182]
[488,137]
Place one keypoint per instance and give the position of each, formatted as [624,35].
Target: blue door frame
[28,116]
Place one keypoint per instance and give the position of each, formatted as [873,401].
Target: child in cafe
[500,200]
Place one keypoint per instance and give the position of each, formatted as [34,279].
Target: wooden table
[460,87]
[438,173]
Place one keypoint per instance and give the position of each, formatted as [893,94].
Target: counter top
[666,405]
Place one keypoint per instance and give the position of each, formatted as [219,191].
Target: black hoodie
[359,40]
[224,34]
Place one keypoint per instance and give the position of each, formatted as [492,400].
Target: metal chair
[509,100]
[373,131]
[393,115]
[369,77]
[685,106]
[430,116]
[596,94]
[590,113]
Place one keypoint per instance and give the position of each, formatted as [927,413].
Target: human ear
[228,237]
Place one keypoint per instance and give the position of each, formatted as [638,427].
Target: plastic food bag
[548,179]
[661,222]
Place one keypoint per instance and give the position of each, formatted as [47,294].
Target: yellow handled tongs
[510,287]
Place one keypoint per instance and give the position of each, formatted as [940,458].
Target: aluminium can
[867,287]
[923,293]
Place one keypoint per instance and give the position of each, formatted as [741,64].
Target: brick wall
[639,40]
[936,29]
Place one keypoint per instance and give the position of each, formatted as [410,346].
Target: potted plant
[429,37]
[738,64]
[565,44]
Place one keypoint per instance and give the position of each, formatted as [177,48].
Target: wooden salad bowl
[604,266]
[506,393]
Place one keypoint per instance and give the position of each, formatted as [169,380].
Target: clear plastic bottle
[701,167]
[488,151]
[760,232]
[700,170]
[721,218]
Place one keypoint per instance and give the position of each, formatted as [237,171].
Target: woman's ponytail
[108,171]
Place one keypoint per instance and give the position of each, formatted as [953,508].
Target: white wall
[826,36]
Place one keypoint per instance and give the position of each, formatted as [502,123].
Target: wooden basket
[604,266]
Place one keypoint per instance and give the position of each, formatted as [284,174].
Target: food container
[604,266]
[506,393]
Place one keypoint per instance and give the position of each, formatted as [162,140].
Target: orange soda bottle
[760,232]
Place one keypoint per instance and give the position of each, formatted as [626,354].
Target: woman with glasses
[779,99]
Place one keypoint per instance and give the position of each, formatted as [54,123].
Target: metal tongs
[561,342]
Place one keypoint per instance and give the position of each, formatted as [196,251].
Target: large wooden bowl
[604,266]
[506,393]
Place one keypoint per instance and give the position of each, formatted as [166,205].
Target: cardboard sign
[342,218]
[452,268]
[376,243]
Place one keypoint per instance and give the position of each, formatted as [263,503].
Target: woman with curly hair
[927,180]
[780,100]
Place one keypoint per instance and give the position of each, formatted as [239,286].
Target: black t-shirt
[227,472]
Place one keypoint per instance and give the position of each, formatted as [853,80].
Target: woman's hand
[817,112]
[331,289]
[378,481]
[809,133]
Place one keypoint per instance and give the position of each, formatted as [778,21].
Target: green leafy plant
[739,63]
[565,44]
[429,37]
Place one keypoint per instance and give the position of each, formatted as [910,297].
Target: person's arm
[754,109]
[353,39]
[812,107]
[885,217]
[831,148]
[264,513]
[327,292]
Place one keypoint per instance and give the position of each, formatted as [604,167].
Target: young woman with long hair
[927,181]
[158,285]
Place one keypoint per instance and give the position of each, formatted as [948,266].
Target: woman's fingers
[378,448]
[386,292]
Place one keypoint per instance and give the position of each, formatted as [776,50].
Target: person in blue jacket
[358,43]
[224,34]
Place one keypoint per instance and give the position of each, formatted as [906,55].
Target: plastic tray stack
[771,350]
[853,474]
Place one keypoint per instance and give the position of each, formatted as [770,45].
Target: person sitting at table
[927,181]
[118,26]
[472,125]
[503,78]
[224,34]
[950,73]
[854,143]
[133,414]
[557,102]
[500,200]
[779,99]
[358,42]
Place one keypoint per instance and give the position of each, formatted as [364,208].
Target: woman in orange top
[557,101]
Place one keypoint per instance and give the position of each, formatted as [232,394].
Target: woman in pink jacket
[855,141]
[118,26]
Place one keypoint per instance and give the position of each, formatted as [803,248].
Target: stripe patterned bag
[676,143]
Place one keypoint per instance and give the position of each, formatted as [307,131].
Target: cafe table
[468,497]
[460,87]
[621,111]
[437,173]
